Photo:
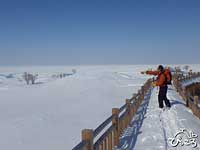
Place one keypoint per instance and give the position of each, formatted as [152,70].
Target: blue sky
[83,32]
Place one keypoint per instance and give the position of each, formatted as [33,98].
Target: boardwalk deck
[151,128]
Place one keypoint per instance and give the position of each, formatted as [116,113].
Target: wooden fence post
[175,81]
[87,136]
[134,104]
[196,99]
[195,108]
[128,110]
[141,94]
[193,89]
[115,124]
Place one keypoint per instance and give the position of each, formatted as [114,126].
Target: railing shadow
[129,136]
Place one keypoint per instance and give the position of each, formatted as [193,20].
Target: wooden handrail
[118,121]
[79,146]
[99,141]
[102,126]
[191,101]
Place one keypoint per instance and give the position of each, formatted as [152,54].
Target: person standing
[162,82]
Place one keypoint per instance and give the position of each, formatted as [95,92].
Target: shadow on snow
[129,136]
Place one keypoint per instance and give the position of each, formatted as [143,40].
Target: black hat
[161,68]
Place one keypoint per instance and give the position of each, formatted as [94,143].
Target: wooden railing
[106,136]
[191,100]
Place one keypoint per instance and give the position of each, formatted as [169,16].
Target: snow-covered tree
[29,77]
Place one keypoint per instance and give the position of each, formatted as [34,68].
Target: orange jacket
[166,72]
[161,80]
[155,73]
[162,77]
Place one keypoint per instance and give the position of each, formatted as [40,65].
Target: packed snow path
[152,127]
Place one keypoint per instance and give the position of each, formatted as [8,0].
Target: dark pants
[163,96]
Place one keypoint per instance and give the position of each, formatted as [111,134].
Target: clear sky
[83,32]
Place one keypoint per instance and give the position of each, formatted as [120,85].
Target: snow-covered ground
[50,114]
